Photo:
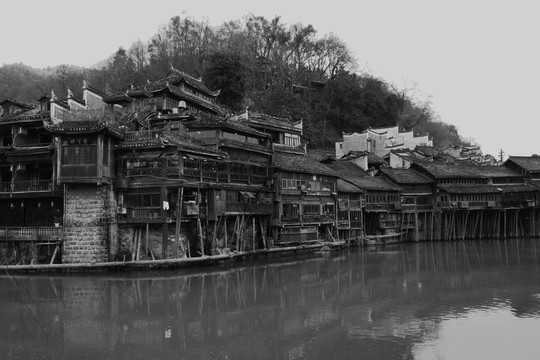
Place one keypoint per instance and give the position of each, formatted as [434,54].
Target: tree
[227,72]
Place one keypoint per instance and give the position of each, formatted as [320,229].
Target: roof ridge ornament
[69,93]
[53,95]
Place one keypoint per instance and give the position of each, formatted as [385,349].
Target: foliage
[264,64]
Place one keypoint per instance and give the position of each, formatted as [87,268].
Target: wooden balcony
[26,186]
[33,233]
[416,207]
[382,207]
[248,208]
[142,215]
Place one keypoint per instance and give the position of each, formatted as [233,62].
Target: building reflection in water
[394,303]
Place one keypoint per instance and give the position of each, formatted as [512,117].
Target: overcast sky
[477,61]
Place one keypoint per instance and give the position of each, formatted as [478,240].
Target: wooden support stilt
[416,234]
[263,233]
[214,237]
[179,201]
[465,225]
[201,240]
[253,231]
[147,238]
[54,255]
[504,234]
[225,231]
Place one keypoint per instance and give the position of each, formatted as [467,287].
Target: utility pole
[501,155]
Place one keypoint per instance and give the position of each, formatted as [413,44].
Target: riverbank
[317,249]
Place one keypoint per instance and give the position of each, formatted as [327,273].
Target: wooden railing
[26,185]
[142,135]
[33,233]
[248,208]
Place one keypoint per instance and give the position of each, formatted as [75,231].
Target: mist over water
[459,300]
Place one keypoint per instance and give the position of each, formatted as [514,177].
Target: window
[292,140]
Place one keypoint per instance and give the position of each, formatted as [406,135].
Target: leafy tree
[227,72]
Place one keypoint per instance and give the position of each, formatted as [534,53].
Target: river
[459,300]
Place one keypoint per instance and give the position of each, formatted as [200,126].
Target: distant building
[379,141]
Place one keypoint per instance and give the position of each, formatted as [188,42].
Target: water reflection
[412,301]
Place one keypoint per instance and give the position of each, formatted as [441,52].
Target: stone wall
[88,221]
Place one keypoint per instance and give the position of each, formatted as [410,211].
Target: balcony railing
[374,206]
[248,208]
[153,214]
[26,185]
[34,233]
[418,207]
[142,135]
[309,219]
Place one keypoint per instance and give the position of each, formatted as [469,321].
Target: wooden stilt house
[31,203]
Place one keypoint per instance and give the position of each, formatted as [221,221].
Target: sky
[476,61]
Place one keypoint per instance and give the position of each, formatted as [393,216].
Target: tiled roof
[470,188]
[347,169]
[427,150]
[517,188]
[176,76]
[23,150]
[320,155]
[406,176]
[157,86]
[529,163]
[450,170]
[348,187]
[485,188]
[18,103]
[354,174]
[272,121]
[33,114]
[196,99]
[212,121]
[190,146]
[300,163]
[374,183]
[494,171]
[82,127]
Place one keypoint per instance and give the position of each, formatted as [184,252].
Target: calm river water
[460,300]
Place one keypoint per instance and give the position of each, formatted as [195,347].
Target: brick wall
[89,224]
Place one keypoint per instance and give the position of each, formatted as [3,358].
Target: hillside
[264,64]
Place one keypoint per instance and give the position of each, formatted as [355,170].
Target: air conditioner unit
[491,203]
[21,167]
[121,210]
[464,204]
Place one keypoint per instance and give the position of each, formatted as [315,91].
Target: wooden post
[263,235]
[146,238]
[225,229]
[179,201]
[504,235]
[54,255]
[199,230]
[464,233]
[416,234]
[253,232]
[214,236]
